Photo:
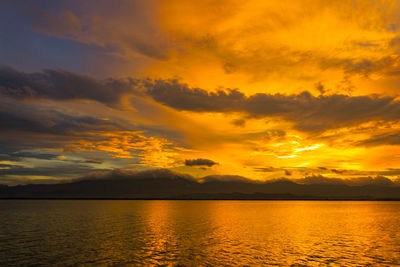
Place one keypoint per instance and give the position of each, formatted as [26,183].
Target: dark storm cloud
[6,155]
[13,181]
[239,122]
[200,162]
[62,85]
[52,122]
[338,171]
[267,169]
[179,96]
[18,116]
[14,174]
[53,171]
[383,139]
[309,113]
[288,173]
[390,172]
[272,169]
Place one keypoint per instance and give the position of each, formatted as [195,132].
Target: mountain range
[165,184]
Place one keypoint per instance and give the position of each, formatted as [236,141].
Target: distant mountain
[165,184]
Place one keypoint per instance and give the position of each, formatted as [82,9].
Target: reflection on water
[192,233]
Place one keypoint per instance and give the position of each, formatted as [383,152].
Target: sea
[199,233]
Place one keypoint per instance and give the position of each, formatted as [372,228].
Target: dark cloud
[22,117]
[21,155]
[266,169]
[62,85]
[65,170]
[16,174]
[20,180]
[383,139]
[272,169]
[93,161]
[200,162]
[311,113]
[338,171]
[239,122]
[308,112]
[288,173]
[180,96]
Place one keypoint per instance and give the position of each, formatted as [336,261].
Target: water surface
[192,233]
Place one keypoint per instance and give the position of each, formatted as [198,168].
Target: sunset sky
[260,89]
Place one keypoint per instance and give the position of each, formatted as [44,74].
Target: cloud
[180,96]
[23,117]
[200,162]
[307,112]
[239,122]
[338,171]
[66,170]
[62,85]
[99,26]
[267,169]
[21,180]
[288,173]
[6,155]
[382,139]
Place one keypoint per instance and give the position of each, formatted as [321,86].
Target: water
[192,233]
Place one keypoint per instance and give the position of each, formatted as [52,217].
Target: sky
[260,89]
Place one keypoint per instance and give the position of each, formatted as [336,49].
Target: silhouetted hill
[164,184]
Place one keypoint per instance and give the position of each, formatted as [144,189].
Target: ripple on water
[192,233]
